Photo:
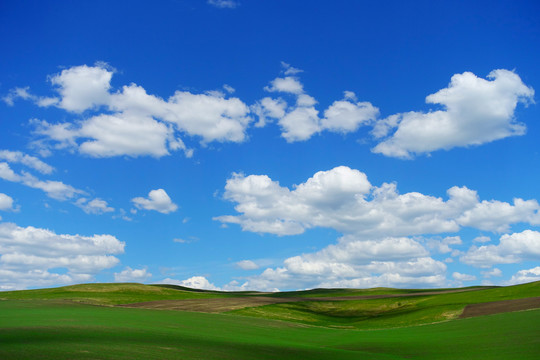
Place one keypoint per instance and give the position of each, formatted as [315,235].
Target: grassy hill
[64,323]
[112,294]
[406,308]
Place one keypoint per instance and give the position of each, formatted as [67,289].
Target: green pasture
[388,312]
[81,322]
[112,294]
[54,329]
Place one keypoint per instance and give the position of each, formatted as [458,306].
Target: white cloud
[189,240]
[212,117]
[344,200]
[443,246]
[228,88]
[6,202]
[301,121]
[300,124]
[132,275]
[132,122]
[23,93]
[96,206]
[157,200]
[497,215]
[512,248]
[268,108]
[355,262]
[231,4]
[288,84]
[463,277]
[247,265]
[493,272]
[54,189]
[27,160]
[482,239]
[122,134]
[347,116]
[525,276]
[289,70]
[476,111]
[32,256]
[195,282]
[83,87]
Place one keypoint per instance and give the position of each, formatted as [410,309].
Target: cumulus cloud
[157,200]
[343,199]
[347,115]
[269,108]
[33,256]
[443,246]
[132,275]
[194,282]
[83,87]
[355,262]
[512,248]
[247,265]
[463,277]
[6,202]
[475,111]
[482,239]
[492,272]
[300,121]
[96,206]
[132,122]
[525,276]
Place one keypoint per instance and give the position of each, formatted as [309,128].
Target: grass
[61,324]
[387,312]
[52,329]
[112,294]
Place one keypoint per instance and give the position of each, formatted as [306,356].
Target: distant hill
[343,308]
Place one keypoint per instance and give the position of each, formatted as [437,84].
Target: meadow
[83,322]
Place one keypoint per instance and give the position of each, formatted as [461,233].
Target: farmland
[87,322]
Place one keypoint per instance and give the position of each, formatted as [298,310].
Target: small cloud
[525,276]
[482,239]
[494,272]
[289,70]
[96,206]
[223,4]
[463,277]
[157,200]
[6,203]
[247,265]
[132,275]
[27,160]
[194,282]
[228,88]
[189,240]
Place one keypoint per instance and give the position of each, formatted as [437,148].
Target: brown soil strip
[211,305]
[497,307]
[219,305]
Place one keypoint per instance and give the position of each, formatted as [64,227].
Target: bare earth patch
[497,307]
[211,305]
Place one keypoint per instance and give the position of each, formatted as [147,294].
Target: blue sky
[269,144]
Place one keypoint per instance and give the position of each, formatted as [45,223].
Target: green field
[60,324]
[388,312]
